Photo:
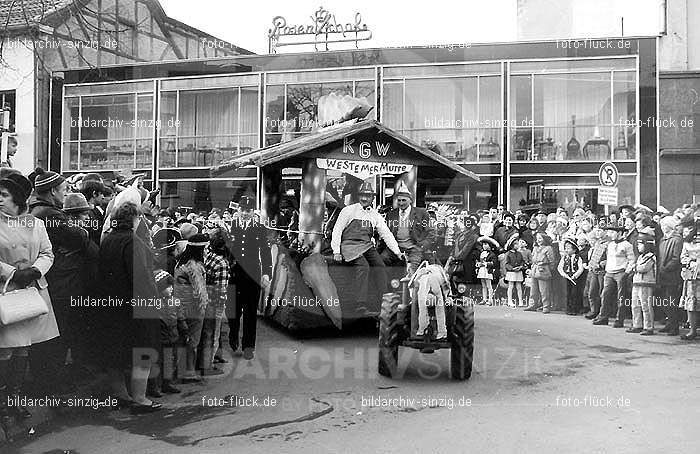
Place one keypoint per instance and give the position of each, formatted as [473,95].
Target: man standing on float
[352,241]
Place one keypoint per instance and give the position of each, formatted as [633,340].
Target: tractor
[398,325]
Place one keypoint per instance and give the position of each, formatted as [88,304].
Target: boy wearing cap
[619,264]
[571,268]
[643,283]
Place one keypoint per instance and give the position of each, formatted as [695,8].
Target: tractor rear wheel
[462,340]
[389,334]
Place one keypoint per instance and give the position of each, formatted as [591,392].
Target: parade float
[308,290]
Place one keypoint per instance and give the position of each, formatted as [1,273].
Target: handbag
[21,304]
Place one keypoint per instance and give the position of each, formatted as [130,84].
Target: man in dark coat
[465,252]
[252,269]
[412,229]
[93,191]
[669,275]
[48,358]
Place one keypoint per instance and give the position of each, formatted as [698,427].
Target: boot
[4,409]
[18,370]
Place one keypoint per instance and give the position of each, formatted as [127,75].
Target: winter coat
[503,233]
[645,271]
[126,270]
[669,260]
[24,243]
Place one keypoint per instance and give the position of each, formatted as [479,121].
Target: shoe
[689,337]
[545,311]
[665,329]
[211,371]
[220,360]
[600,321]
[634,330]
[530,309]
[236,352]
[618,324]
[141,409]
[191,379]
[441,336]
[647,332]
[590,316]
[248,353]
[170,389]
[154,393]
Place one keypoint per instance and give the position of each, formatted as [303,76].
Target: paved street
[541,384]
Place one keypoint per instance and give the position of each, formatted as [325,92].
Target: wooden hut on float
[309,290]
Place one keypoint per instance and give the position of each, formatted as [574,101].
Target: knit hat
[17,185]
[188,230]
[163,280]
[46,180]
[75,202]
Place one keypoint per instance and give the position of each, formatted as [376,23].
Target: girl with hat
[514,265]
[25,257]
[571,268]
[643,284]
[486,264]
[191,289]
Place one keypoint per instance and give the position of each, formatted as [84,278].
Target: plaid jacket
[217,274]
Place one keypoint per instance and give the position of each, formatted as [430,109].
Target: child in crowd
[486,225]
[525,251]
[690,260]
[486,265]
[171,324]
[643,283]
[571,268]
[514,265]
[584,248]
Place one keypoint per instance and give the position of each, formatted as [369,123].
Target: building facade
[40,38]
[534,120]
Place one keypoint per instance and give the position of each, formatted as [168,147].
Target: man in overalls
[352,241]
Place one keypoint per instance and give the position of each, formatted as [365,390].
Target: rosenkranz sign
[324,28]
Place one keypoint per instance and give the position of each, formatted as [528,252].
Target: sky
[393,23]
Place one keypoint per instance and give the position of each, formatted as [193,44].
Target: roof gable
[345,141]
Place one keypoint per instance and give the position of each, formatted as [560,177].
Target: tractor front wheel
[389,334]
[462,340]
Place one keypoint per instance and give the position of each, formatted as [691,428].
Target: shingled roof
[24,13]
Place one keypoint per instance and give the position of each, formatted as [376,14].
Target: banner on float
[363,169]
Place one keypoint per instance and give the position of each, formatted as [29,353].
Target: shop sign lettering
[364,149]
[362,169]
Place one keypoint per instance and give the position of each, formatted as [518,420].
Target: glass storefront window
[531,194]
[458,117]
[108,131]
[572,116]
[202,196]
[202,128]
[292,109]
